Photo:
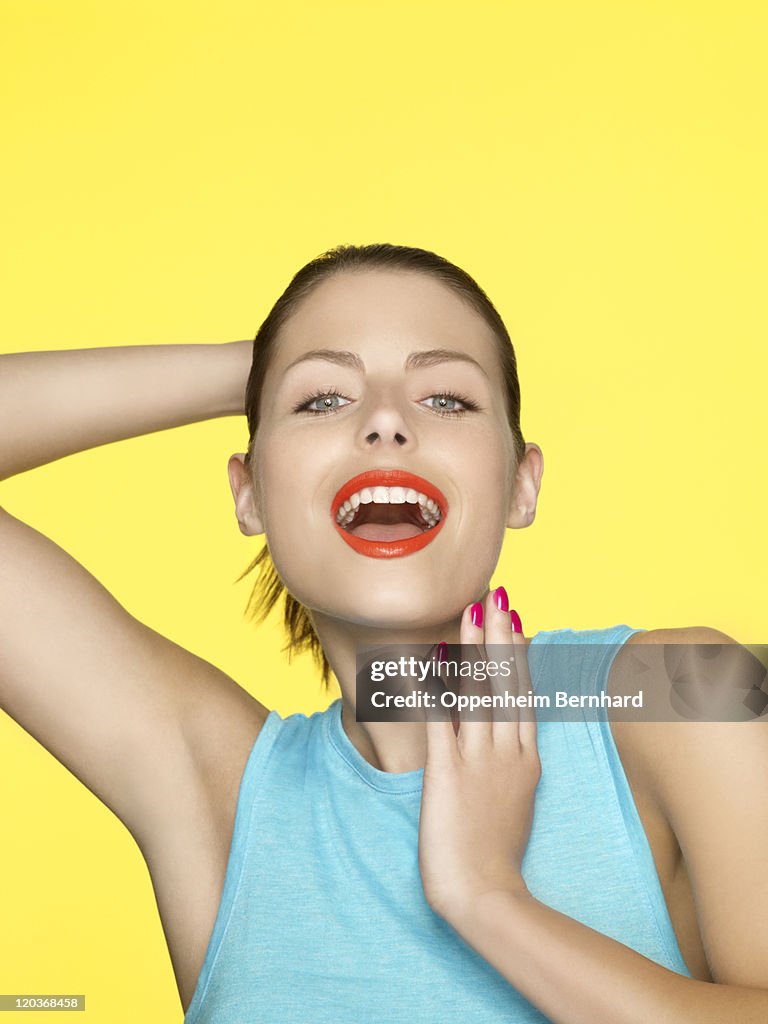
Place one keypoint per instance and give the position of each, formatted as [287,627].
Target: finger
[440,692]
[440,728]
[501,666]
[528,731]
[474,734]
[441,741]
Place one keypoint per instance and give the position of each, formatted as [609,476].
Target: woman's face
[351,390]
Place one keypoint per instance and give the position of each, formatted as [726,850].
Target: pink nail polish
[476,614]
[517,625]
[501,599]
[442,651]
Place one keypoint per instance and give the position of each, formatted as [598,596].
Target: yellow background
[599,168]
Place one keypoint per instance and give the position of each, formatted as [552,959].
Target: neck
[388,746]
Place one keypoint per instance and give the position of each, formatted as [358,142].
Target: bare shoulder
[706,666]
[143,723]
[217,724]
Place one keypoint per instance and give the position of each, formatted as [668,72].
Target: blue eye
[447,404]
[444,403]
[324,402]
[327,403]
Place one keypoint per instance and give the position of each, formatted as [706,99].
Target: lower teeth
[426,524]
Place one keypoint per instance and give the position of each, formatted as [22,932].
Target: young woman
[319,868]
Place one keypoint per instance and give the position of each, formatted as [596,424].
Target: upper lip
[389,478]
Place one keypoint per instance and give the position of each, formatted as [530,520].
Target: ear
[246,505]
[522,508]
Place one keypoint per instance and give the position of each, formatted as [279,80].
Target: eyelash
[301,406]
[470,405]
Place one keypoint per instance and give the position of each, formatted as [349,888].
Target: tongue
[386,531]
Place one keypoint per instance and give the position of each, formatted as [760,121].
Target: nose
[385,425]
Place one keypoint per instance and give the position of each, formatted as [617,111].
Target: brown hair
[269,587]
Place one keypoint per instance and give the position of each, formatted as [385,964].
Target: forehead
[383,310]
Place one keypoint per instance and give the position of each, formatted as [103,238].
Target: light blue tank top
[322,917]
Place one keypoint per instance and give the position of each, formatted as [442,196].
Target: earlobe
[246,506]
[520,516]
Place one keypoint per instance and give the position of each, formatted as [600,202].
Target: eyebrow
[415,361]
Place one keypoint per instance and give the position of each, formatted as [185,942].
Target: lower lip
[389,548]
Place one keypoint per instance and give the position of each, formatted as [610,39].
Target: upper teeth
[429,509]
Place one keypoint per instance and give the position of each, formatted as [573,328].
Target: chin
[402,608]
[428,588]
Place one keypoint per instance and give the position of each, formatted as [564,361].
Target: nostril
[375,436]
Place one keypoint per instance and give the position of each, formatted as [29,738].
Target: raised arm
[130,713]
[55,403]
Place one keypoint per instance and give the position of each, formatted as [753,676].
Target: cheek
[480,523]
[294,545]
[485,481]
[291,475]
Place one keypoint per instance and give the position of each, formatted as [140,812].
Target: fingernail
[517,625]
[501,599]
[476,614]
[442,651]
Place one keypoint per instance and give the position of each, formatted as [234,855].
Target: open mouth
[388,513]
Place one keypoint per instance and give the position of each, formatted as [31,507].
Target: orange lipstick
[397,547]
